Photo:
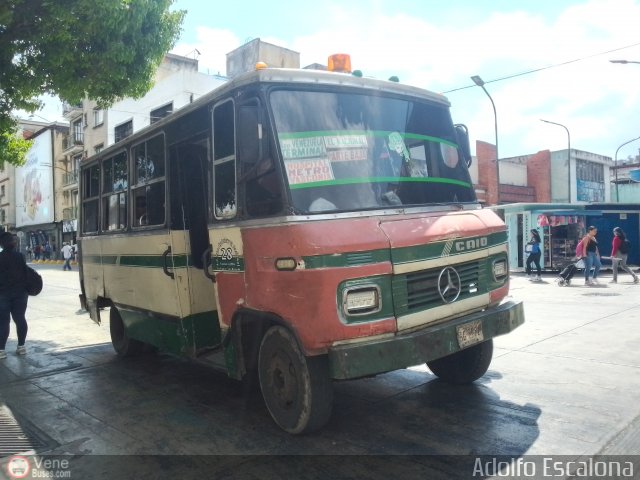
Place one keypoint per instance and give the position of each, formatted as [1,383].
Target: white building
[177,83]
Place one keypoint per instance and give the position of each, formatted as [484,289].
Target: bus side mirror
[250,131]
[462,138]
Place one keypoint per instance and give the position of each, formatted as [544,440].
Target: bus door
[190,241]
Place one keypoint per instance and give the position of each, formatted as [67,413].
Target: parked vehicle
[303,227]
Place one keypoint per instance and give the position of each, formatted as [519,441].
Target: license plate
[470,334]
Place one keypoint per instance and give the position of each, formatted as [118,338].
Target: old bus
[298,227]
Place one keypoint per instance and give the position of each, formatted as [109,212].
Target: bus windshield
[349,152]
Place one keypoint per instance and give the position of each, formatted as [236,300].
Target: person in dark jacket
[533,248]
[13,293]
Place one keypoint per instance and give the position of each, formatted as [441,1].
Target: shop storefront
[561,226]
[43,241]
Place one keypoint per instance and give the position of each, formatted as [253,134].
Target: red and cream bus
[298,227]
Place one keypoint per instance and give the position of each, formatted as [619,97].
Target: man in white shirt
[67,253]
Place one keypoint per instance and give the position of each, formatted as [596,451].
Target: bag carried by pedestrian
[625,247]
[34,282]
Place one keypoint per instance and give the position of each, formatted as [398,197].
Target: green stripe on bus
[154,261]
[400,255]
[368,133]
[158,261]
[350,259]
[353,181]
[447,248]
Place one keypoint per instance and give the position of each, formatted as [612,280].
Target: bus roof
[287,76]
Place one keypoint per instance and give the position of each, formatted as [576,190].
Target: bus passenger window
[224,161]
[148,193]
[90,199]
[114,196]
[149,205]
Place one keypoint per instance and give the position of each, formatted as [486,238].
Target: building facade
[35,195]
[561,176]
[91,128]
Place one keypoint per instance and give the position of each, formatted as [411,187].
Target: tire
[122,344]
[465,366]
[297,390]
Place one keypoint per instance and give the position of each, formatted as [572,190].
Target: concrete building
[7,198]
[245,57]
[37,204]
[91,129]
[624,189]
[543,177]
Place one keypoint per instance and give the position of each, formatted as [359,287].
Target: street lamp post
[568,155]
[616,163]
[479,82]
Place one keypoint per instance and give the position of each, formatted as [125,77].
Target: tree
[14,148]
[100,49]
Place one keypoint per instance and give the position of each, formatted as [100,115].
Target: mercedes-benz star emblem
[449,285]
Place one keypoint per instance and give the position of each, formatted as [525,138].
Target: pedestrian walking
[533,248]
[619,253]
[591,255]
[67,254]
[13,293]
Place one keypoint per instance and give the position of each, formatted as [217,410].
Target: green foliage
[101,49]
[13,148]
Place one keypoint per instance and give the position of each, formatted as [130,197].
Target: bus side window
[90,199]
[224,161]
[148,191]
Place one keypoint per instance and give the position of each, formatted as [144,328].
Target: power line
[545,68]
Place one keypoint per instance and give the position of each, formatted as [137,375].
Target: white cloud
[594,98]
[213,45]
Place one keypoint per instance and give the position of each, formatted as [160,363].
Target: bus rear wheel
[297,390]
[465,366]
[122,344]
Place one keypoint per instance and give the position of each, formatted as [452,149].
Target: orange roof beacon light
[261,65]
[339,62]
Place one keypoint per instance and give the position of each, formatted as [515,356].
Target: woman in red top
[619,259]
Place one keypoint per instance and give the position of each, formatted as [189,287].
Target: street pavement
[566,383]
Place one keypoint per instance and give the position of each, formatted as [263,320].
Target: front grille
[419,290]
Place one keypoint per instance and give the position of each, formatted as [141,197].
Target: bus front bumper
[430,343]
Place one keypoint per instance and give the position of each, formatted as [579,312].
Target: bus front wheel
[464,366]
[297,390]
[122,344]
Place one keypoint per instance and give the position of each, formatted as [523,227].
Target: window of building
[77,132]
[98,148]
[123,131]
[590,181]
[3,217]
[160,113]
[98,117]
[224,161]
[148,190]
[2,191]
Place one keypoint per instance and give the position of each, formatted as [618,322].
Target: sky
[438,45]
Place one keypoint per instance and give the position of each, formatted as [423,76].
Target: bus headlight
[362,301]
[499,269]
